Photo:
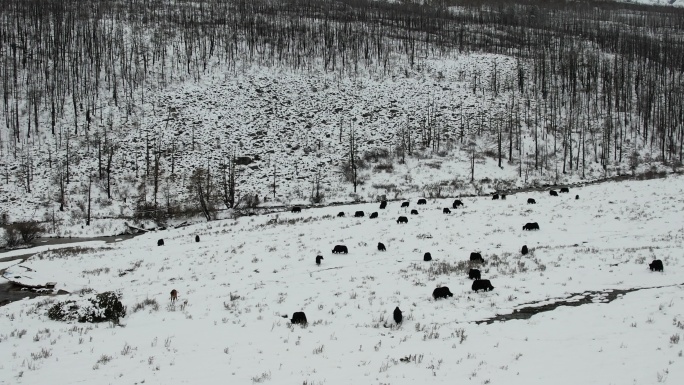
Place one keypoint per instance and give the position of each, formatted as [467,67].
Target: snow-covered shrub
[100,308]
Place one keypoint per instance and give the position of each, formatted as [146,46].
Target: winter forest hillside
[160,110]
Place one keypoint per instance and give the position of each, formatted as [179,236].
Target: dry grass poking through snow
[236,285]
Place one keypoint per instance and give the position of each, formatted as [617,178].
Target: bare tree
[200,187]
[90,185]
[228,177]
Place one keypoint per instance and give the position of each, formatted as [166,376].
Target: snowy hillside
[163,111]
[674,3]
[245,274]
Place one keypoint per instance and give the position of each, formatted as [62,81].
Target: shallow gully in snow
[526,311]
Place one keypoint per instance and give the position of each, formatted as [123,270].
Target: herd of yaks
[440,292]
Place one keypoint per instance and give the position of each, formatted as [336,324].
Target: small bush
[384,167]
[348,172]
[148,211]
[250,201]
[151,302]
[317,197]
[103,307]
[11,237]
[376,154]
[28,231]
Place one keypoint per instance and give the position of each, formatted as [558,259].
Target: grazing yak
[553,193]
[299,318]
[524,250]
[296,209]
[359,214]
[457,204]
[446,210]
[318,259]
[340,214]
[340,249]
[383,204]
[564,190]
[503,196]
[474,274]
[427,257]
[196,238]
[174,295]
[495,196]
[531,226]
[397,315]
[482,284]
[422,201]
[374,215]
[414,212]
[441,292]
[160,242]
[531,201]
[576,196]
[402,219]
[476,257]
[404,204]
[656,265]
[381,247]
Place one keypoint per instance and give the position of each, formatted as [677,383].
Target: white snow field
[244,274]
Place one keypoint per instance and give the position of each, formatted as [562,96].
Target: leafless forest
[594,80]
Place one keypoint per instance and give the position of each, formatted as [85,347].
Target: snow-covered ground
[674,3]
[244,274]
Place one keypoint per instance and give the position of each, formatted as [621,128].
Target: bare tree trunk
[90,183]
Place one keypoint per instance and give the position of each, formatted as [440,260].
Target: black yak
[381,246]
[441,292]
[503,196]
[576,196]
[427,257]
[553,193]
[476,257]
[196,238]
[383,204]
[531,201]
[358,214]
[414,212]
[495,196]
[564,190]
[340,214]
[340,249]
[474,274]
[374,215]
[404,204]
[524,250]
[402,219]
[531,226]
[656,265]
[422,201]
[482,284]
[296,209]
[446,210]
[299,318]
[318,259]
[457,204]
[160,242]
[397,315]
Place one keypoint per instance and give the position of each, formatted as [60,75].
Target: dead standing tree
[228,176]
[201,188]
[350,167]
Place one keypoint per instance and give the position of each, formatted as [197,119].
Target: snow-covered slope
[244,274]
